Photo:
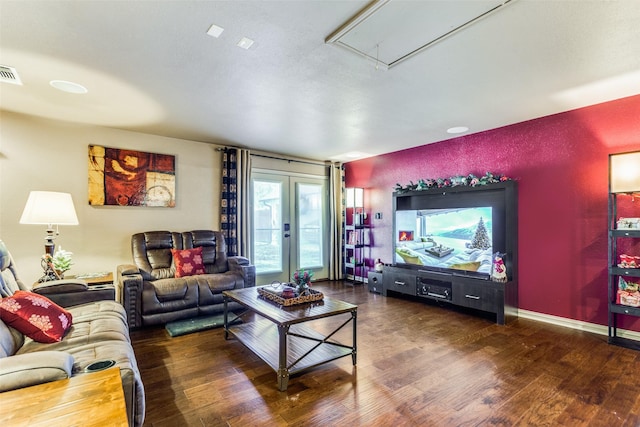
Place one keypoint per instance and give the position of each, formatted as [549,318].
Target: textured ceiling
[149,66]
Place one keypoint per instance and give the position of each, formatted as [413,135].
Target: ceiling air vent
[9,75]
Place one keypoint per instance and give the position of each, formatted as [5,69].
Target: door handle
[286,235]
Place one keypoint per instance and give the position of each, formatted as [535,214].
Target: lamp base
[49,272]
[48,276]
[49,244]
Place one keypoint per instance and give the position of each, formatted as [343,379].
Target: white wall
[39,154]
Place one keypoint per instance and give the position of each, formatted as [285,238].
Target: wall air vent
[9,75]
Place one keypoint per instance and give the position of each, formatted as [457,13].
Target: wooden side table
[93,399]
[92,279]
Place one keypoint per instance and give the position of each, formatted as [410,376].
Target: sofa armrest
[71,292]
[60,286]
[25,370]
[129,293]
[242,266]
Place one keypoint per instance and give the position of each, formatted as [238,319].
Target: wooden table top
[281,315]
[93,399]
[94,278]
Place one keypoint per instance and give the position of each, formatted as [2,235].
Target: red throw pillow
[188,261]
[35,316]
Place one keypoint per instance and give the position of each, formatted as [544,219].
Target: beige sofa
[152,294]
[98,332]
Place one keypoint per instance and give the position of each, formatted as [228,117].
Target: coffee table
[278,335]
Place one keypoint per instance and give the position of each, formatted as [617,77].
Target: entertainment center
[446,241]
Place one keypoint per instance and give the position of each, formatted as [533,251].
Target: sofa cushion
[214,249]
[26,370]
[166,295]
[9,281]
[10,340]
[188,262]
[211,286]
[9,284]
[152,253]
[36,316]
[100,329]
[97,309]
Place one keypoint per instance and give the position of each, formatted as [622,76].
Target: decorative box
[627,285]
[628,224]
[629,261]
[275,294]
[628,298]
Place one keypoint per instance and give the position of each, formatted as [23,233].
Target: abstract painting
[131,178]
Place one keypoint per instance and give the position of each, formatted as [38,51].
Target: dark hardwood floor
[418,365]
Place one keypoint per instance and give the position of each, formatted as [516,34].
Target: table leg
[226,318]
[283,371]
[354,354]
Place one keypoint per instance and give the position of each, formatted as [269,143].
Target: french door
[289,225]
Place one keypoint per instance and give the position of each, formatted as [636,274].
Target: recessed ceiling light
[69,87]
[245,43]
[215,31]
[457,129]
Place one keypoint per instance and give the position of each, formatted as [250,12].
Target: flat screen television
[447,238]
[455,231]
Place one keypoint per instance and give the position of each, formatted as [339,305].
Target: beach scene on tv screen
[459,238]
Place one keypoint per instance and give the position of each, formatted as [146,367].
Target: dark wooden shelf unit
[356,243]
[464,289]
[615,272]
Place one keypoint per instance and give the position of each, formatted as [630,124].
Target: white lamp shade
[624,172]
[49,207]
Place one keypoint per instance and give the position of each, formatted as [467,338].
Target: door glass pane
[267,222]
[310,233]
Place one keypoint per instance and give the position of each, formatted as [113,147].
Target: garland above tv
[454,181]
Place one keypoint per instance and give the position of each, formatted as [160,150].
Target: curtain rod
[266,156]
[290,160]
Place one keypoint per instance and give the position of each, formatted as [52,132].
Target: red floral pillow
[35,316]
[188,261]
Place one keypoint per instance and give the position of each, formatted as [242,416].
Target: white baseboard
[576,324]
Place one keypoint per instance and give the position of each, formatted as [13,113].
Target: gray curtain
[336,215]
[244,220]
[234,200]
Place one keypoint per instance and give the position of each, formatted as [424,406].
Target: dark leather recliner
[150,292]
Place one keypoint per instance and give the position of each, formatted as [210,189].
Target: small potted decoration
[61,261]
[302,280]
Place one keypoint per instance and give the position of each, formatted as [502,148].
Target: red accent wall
[561,165]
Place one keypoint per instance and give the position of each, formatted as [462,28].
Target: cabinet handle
[399,283]
[472,296]
[433,294]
